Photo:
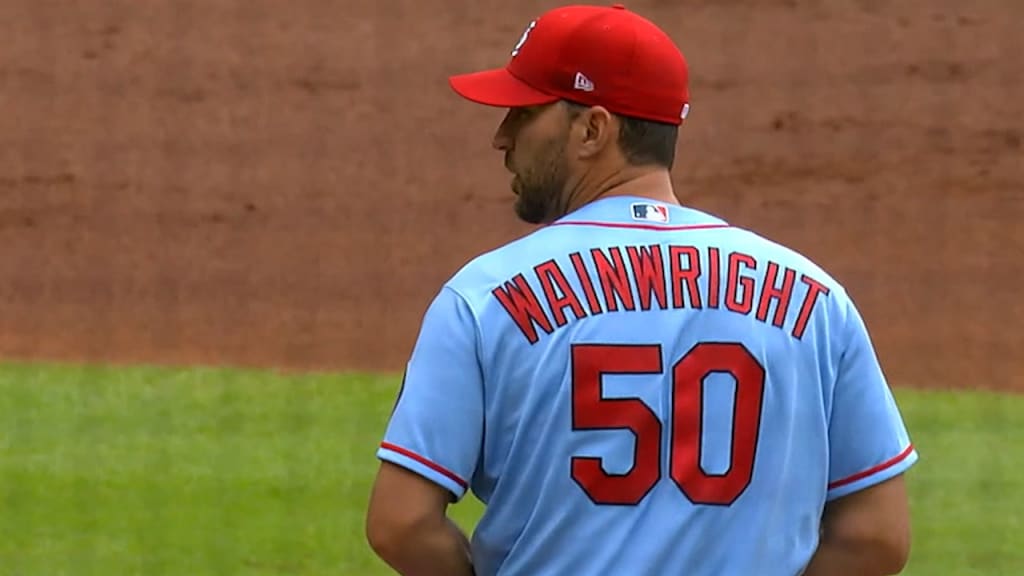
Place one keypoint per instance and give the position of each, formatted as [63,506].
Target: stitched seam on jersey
[476,325]
[642,226]
[426,462]
[480,364]
[871,471]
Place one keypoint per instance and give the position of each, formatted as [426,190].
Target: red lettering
[588,286]
[614,279]
[814,289]
[551,277]
[781,295]
[649,272]
[714,280]
[735,282]
[687,275]
[522,305]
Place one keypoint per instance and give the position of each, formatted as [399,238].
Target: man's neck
[642,182]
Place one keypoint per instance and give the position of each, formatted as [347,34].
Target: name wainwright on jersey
[663,277]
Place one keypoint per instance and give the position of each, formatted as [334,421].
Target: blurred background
[279,185]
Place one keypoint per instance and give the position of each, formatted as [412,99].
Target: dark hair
[643,142]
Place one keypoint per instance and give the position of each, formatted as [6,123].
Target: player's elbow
[894,550]
[890,548]
[386,534]
[872,526]
[393,533]
[898,554]
[886,549]
[379,536]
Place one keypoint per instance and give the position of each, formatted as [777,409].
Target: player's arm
[865,533]
[865,528]
[408,527]
[431,447]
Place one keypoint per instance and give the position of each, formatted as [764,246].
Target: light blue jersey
[641,389]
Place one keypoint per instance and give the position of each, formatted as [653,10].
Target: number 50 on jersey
[592,411]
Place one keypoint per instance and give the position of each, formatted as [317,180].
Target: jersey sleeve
[436,427]
[868,440]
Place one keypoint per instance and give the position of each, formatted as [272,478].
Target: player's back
[657,397]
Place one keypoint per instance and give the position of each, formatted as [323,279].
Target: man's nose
[503,135]
[501,140]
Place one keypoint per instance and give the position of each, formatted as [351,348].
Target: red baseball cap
[595,56]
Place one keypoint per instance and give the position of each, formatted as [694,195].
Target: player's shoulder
[784,255]
[475,279]
[826,305]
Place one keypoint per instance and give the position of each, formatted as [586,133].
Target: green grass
[200,472]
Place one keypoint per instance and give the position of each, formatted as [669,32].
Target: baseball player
[637,387]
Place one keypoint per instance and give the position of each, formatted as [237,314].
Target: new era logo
[583,83]
[650,212]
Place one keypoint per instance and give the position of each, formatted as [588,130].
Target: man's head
[552,148]
[591,92]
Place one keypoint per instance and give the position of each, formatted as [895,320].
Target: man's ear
[594,129]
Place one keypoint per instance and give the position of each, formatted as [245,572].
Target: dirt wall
[287,184]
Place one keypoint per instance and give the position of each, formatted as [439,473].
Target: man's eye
[518,115]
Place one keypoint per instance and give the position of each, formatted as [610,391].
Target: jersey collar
[637,212]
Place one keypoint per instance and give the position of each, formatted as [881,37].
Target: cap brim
[498,88]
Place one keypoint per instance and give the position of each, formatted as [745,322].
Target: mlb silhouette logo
[650,213]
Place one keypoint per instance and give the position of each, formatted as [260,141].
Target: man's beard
[540,189]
